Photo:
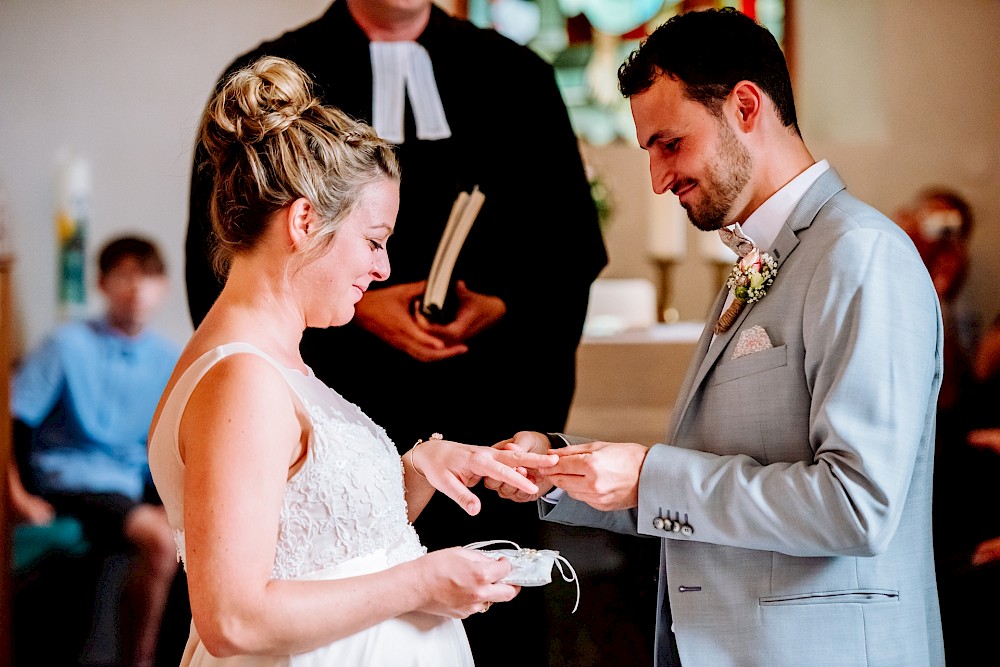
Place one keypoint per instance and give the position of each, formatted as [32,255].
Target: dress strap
[192,375]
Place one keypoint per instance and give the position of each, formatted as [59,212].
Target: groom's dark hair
[709,52]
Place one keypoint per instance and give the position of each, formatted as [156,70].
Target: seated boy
[84,400]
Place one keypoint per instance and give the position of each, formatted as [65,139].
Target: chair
[64,595]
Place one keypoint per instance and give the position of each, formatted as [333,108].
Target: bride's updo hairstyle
[269,141]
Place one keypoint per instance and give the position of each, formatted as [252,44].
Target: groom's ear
[746,103]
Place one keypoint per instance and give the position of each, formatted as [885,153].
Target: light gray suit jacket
[801,474]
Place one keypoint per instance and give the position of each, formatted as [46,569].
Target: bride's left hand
[452,468]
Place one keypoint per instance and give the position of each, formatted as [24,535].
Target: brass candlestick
[664,311]
[723,269]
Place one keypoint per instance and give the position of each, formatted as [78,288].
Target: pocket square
[754,339]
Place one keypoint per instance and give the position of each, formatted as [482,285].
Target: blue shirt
[89,392]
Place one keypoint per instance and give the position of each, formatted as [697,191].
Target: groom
[792,495]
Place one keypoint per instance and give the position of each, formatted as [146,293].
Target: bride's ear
[298,215]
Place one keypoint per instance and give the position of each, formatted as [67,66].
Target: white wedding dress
[344,514]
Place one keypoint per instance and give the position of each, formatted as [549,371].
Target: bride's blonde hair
[269,140]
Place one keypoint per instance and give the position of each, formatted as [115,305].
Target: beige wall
[897,94]
[122,82]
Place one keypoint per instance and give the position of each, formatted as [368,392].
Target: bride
[292,510]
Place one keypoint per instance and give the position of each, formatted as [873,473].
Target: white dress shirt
[763,225]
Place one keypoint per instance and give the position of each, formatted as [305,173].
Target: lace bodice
[346,500]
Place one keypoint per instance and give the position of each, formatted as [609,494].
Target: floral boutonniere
[751,276]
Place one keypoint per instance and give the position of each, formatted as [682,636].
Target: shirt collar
[117,336]
[764,224]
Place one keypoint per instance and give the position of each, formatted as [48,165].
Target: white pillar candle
[711,247]
[668,223]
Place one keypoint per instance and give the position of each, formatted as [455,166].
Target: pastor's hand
[388,313]
[986,552]
[476,313]
[986,438]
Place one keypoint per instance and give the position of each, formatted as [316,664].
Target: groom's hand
[523,441]
[605,475]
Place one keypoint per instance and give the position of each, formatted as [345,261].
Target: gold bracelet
[413,449]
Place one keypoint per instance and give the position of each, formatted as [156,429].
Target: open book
[435,304]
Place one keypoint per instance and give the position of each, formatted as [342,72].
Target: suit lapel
[712,350]
[707,352]
[697,359]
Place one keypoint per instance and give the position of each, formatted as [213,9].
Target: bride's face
[355,258]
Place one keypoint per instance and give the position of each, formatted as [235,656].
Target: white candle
[72,186]
[713,249]
[668,223]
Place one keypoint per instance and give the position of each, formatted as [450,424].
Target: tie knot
[737,241]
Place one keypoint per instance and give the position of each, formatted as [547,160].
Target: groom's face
[693,152]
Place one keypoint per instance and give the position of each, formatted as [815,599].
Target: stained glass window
[586,41]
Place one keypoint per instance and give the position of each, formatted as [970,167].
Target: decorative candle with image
[72,217]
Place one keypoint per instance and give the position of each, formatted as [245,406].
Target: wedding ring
[486,608]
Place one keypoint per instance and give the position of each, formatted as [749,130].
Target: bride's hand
[524,441]
[458,582]
[453,467]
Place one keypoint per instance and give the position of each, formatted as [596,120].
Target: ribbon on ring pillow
[529,567]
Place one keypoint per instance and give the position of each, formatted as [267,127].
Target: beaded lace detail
[347,499]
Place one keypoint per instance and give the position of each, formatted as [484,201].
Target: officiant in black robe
[536,245]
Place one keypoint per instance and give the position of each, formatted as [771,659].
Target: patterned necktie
[741,244]
[737,241]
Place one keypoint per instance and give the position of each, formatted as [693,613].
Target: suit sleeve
[572,512]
